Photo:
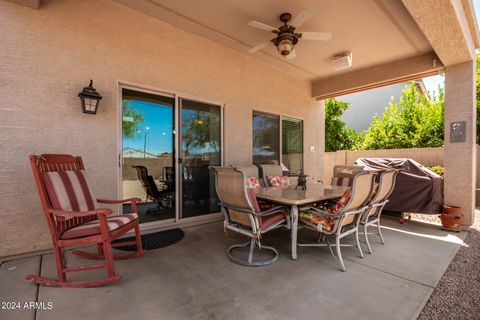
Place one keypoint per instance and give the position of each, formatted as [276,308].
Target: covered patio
[194,280]
[189,62]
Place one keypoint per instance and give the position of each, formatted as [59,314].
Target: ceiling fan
[286,37]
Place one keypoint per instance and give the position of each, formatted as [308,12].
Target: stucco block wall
[427,156]
[48,55]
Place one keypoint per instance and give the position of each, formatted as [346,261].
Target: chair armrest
[358,210]
[323,212]
[378,204]
[272,210]
[96,212]
[319,211]
[133,202]
[118,201]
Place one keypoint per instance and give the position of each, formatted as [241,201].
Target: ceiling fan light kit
[286,37]
[285,47]
[342,61]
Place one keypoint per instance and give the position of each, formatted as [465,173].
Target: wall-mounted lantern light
[90,99]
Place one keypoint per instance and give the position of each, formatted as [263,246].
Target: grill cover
[417,189]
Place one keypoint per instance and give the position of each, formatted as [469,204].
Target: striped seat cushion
[69,191]
[342,181]
[93,227]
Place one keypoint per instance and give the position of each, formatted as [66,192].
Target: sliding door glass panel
[266,136]
[292,144]
[148,154]
[201,147]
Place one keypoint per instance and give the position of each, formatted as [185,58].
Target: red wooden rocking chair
[74,219]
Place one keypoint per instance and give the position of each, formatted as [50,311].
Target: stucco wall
[48,55]
[426,156]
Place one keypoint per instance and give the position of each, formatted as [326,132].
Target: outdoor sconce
[90,99]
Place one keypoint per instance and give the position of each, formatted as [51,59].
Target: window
[266,136]
[292,144]
[267,139]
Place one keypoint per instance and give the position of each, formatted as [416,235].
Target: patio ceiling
[377,32]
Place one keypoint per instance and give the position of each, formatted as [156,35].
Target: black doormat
[153,240]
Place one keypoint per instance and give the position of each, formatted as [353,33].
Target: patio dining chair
[344,219]
[378,201]
[243,215]
[163,198]
[74,219]
[269,170]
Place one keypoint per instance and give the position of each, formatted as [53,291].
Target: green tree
[131,120]
[338,136]
[200,132]
[415,122]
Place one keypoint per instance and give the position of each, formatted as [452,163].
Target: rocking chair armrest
[272,210]
[95,212]
[119,201]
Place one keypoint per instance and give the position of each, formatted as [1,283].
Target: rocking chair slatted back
[56,163]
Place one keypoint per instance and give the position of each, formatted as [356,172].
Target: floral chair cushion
[342,202]
[276,181]
[324,222]
[252,183]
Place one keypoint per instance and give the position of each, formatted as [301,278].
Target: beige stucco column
[460,158]
[321,142]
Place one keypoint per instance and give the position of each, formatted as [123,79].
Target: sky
[156,131]
[432,83]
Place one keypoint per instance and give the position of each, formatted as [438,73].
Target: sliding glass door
[148,151]
[201,147]
[150,166]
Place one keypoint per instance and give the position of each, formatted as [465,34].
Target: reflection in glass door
[200,148]
[148,170]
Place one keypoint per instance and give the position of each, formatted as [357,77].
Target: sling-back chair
[163,198]
[74,219]
[243,215]
[343,222]
[372,215]
[270,170]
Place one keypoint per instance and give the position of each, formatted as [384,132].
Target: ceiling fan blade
[302,17]
[292,55]
[262,26]
[259,47]
[322,36]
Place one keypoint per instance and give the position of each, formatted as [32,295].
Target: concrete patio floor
[194,279]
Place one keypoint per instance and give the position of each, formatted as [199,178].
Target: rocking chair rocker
[74,219]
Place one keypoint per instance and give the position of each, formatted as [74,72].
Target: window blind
[266,136]
[292,144]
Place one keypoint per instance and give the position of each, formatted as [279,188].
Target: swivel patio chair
[242,214]
[377,203]
[74,219]
[344,219]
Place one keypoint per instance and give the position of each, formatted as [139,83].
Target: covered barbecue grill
[417,189]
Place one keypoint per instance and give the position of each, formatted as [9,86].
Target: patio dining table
[295,198]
